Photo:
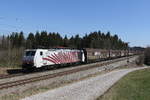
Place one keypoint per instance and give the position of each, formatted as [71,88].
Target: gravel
[88,89]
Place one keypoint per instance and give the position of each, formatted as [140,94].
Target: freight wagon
[102,54]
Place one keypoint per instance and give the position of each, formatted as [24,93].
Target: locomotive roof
[53,49]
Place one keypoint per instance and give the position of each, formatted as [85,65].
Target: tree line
[44,39]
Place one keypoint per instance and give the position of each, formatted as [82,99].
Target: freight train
[39,58]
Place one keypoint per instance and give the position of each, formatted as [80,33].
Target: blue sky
[130,19]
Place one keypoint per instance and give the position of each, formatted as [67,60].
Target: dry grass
[3,70]
[11,58]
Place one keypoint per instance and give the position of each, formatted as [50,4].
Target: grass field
[134,86]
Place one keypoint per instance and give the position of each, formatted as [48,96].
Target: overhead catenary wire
[8,29]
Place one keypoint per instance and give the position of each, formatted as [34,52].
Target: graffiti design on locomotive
[44,57]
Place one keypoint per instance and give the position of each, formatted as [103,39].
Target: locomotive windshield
[30,53]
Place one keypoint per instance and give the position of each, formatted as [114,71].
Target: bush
[140,60]
[147,56]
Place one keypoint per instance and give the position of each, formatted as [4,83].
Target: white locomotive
[38,58]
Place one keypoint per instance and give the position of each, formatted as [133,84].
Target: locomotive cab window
[41,53]
[30,53]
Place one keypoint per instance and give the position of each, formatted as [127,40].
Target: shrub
[140,60]
[147,56]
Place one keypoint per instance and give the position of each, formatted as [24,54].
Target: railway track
[48,76]
[21,73]
[9,76]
